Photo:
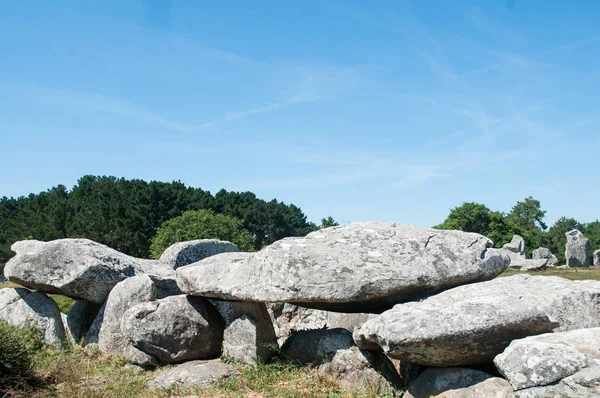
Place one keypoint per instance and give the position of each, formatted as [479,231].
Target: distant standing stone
[516,245]
[577,250]
[596,257]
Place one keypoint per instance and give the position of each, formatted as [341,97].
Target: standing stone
[106,329]
[26,309]
[596,257]
[184,253]
[472,324]
[362,267]
[544,253]
[175,329]
[249,336]
[577,250]
[516,246]
[82,269]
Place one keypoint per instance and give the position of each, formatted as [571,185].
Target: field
[86,372]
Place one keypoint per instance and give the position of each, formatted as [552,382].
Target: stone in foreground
[458,383]
[583,384]
[106,329]
[472,324]
[194,374]
[363,267]
[577,249]
[175,329]
[81,269]
[548,358]
[22,308]
[184,253]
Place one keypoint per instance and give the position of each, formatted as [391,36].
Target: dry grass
[578,273]
[86,372]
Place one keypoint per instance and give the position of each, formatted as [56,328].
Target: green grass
[64,303]
[575,273]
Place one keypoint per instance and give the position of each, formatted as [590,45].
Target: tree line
[125,214]
[526,218]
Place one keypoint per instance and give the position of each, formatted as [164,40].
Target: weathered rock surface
[249,336]
[335,354]
[596,256]
[106,329]
[472,324]
[516,245]
[81,269]
[184,253]
[458,383]
[194,374]
[583,384]
[79,319]
[548,358]
[577,249]
[316,346]
[522,264]
[22,308]
[175,329]
[363,267]
[139,357]
[287,317]
[544,253]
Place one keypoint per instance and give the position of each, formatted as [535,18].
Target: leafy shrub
[17,348]
[201,224]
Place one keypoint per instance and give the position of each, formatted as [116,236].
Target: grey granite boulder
[184,253]
[139,357]
[583,384]
[522,264]
[577,249]
[334,353]
[362,267]
[516,246]
[458,383]
[106,329]
[287,317]
[175,329]
[81,269]
[26,309]
[544,253]
[472,324]
[596,257]
[548,358]
[193,374]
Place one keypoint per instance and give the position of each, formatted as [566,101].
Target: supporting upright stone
[249,335]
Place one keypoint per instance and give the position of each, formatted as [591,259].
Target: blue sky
[363,110]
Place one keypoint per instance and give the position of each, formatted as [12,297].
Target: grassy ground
[86,372]
[578,273]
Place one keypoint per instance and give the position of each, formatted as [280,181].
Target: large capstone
[472,324]
[81,269]
[363,267]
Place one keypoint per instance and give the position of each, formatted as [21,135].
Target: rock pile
[360,302]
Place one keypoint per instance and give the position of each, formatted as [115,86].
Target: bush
[201,224]
[17,348]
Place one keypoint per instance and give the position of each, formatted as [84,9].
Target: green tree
[201,224]
[328,222]
[469,217]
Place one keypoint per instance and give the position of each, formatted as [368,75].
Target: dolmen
[391,304]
